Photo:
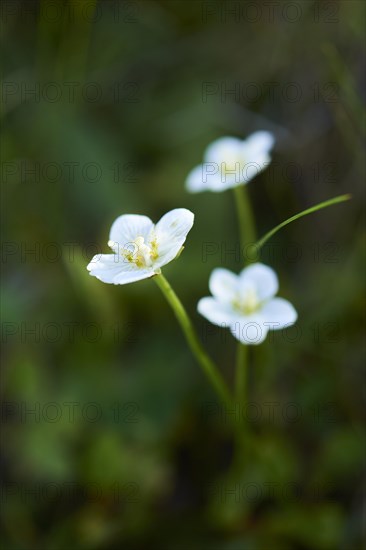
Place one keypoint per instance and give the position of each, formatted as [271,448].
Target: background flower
[229,162]
[245,303]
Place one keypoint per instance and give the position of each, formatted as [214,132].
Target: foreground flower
[246,304]
[229,162]
[141,248]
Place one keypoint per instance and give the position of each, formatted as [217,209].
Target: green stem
[241,373]
[319,206]
[241,437]
[194,343]
[247,236]
[245,216]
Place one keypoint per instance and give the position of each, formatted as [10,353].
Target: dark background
[106,108]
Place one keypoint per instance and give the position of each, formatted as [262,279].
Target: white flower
[140,247]
[245,303]
[229,162]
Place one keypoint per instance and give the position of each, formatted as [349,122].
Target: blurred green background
[106,106]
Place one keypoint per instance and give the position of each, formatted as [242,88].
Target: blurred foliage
[144,460]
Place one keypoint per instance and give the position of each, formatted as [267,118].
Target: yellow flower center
[247,304]
[232,165]
[140,253]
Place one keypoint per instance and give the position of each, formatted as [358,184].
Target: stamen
[247,304]
[142,254]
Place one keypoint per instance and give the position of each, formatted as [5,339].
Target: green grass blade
[315,208]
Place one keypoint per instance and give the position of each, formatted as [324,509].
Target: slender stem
[241,373]
[319,206]
[247,237]
[242,446]
[194,343]
[245,216]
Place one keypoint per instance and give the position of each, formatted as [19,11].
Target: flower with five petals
[141,248]
[229,162]
[246,303]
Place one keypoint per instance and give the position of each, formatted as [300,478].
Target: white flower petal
[258,163]
[279,313]
[216,312]
[195,180]
[224,284]
[127,228]
[222,166]
[221,182]
[223,150]
[261,141]
[132,275]
[110,268]
[250,330]
[262,278]
[170,234]
[208,177]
